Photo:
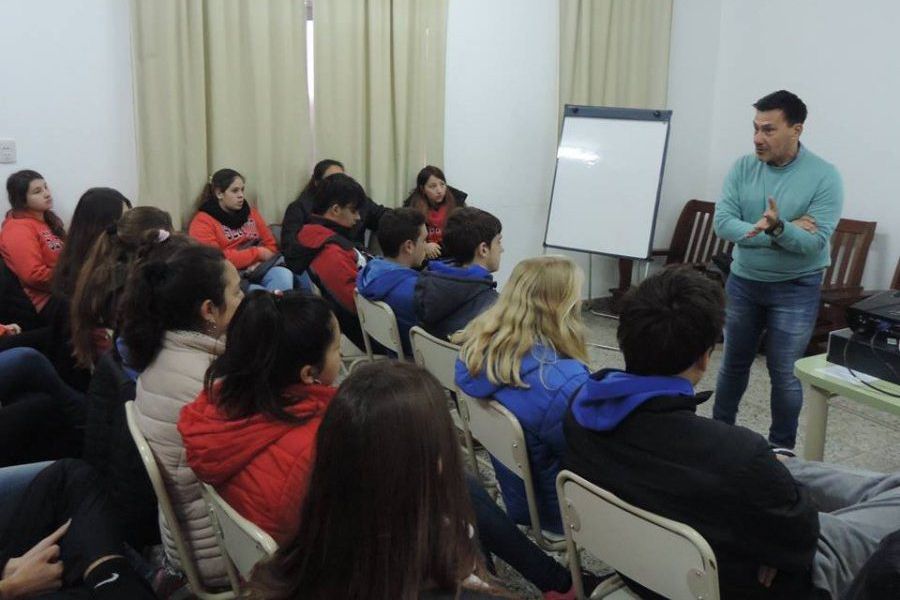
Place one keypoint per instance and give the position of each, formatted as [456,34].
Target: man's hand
[37,571]
[432,250]
[766,575]
[12,328]
[806,223]
[769,219]
[264,253]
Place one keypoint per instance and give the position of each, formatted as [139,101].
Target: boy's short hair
[340,189]
[670,321]
[787,102]
[465,230]
[396,226]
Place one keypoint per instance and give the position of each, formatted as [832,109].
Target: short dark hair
[465,230]
[340,189]
[787,102]
[670,321]
[396,226]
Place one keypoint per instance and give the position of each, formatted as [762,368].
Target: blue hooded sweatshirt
[610,395]
[540,409]
[394,284]
[448,297]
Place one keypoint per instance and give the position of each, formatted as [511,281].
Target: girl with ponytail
[94,305]
[224,219]
[251,432]
[173,313]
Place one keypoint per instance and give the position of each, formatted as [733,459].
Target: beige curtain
[614,52]
[379,89]
[221,83]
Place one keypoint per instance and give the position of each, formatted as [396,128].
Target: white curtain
[614,52]
[379,89]
[221,83]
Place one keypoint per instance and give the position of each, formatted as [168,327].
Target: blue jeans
[787,311]
[498,535]
[276,278]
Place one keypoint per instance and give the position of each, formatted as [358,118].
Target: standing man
[780,208]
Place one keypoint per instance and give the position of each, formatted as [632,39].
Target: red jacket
[334,265]
[436,220]
[206,229]
[30,250]
[260,466]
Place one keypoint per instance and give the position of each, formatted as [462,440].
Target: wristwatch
[776,229]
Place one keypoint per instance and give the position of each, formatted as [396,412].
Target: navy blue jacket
[540,409]
[386,281]
[447,297]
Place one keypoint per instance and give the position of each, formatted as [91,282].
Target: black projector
[875,354]
[879,312]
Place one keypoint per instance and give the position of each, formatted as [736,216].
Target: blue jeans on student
[787,311]
[276,278]
[500,536]
[13,481]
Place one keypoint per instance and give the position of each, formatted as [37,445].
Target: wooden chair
[665,556]
[842,284]
[693,243]
[895,282]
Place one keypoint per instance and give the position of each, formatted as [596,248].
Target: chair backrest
[665,556]
[435,355]
[500,433]
[849,250]
[895,282]
[694,241]
[244,542]
[377,321]
[168,512]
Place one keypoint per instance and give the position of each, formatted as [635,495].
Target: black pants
[67,489]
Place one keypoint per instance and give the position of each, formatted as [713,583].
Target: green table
[823,387]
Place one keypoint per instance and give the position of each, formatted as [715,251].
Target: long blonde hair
[540,304]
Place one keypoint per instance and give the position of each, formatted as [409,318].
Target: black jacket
[880,576]
[447,297]
[720,479]
[298,213]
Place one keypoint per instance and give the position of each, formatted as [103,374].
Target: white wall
[839,57]
[67,95]
[501,100]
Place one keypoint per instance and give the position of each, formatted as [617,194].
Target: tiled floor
[857,435]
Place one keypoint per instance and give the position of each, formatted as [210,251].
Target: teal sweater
[806,186]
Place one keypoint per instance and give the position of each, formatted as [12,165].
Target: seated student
[636,433]
[455,290]
[225,220]
[528,352]
[298,212]
[101,279]
[173,313]
[41,417]
[56,532]
[97,209]
[252,430]
[437,201]
[329,255]
[369,529]
[392,279]
[31,238]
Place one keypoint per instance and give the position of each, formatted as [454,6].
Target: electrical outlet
[7,151]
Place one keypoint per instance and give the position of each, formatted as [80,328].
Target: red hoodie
[206,229]
[30,250]
[259,465]
[334,265]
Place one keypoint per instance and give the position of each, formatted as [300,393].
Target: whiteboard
[609,169]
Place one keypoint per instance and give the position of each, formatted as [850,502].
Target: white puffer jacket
[163,388]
